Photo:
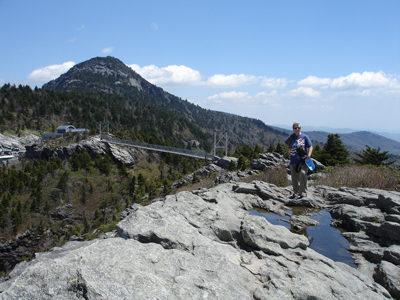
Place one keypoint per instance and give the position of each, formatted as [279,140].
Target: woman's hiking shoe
[294,196]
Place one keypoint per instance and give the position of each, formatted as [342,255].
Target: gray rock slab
[393,218]
[127,269]
[202,245]
[387,274]
[343,197]
[392,254]
[302,222]
[350,213]
[225,162]
[258,233]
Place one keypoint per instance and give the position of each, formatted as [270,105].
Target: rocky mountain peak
[99,73]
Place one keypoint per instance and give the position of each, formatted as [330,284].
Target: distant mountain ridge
[357,140]
[389,135]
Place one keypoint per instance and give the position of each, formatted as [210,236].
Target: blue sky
[321,63]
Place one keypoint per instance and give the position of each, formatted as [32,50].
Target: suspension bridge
[159,148]
[220,142]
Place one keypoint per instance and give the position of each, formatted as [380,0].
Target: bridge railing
[180,151]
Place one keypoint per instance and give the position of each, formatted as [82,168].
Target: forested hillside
[110,75]
[45,110]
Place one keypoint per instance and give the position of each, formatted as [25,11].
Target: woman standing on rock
[298,142]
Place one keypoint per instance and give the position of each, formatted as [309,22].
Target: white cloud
[273,93]
[107,50]
[274,83]
[174,75]
[154,26]
[365,80]
[236,97]
[315,81]
[50,72]
[171,75]
[361,84]
[233,80]
[268,98]
[304,92]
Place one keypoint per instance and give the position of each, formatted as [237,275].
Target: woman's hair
[295,124]
[291,137]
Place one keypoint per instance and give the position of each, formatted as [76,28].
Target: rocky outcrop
[93,146]
[226,162]
[268,161]
[205,244]
[17,142]
[275,160]
[22,247]
[200,174]
[372,216]
[62,212]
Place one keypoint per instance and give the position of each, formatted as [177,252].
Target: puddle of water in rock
[325,239]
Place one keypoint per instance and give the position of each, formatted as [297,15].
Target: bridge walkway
[159,148]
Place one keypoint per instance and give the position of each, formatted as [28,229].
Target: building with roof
[63,129]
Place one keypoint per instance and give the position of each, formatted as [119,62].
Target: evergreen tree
[283,150]
[257,150]
[141,180]
[85,160]
[103,164]
[63,182]
[233,165]
[83,194]
[166,187]
[334,152]
[317,152]
[373,157]
[241,163]
[271,148]
[131,186]
[16,220]
[86,225]
[74,160]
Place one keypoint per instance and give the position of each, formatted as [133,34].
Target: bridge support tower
[104,125]
[221,141]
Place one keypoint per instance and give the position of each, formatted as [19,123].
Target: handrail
[180,151]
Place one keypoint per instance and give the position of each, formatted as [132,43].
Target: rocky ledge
[17,142]
[206,245]
[93,146]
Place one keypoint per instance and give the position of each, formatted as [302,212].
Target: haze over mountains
[389,135]
[110,75]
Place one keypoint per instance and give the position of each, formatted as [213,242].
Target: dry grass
[274,176]
[361,176]
[207,183]
[348,176]
[277,177]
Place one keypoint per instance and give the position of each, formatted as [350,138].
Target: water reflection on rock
[315,225]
